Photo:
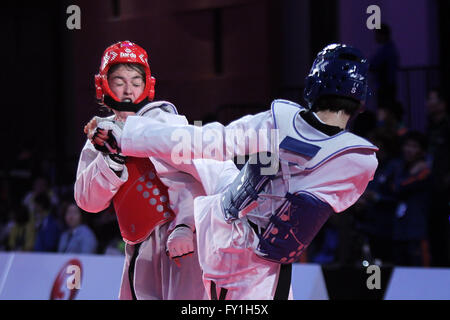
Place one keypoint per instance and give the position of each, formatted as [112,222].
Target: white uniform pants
[231,269]
[156,277]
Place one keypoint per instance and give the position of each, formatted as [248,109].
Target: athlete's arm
[144,137]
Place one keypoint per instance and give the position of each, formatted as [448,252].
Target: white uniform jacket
[96,184]
[228,252]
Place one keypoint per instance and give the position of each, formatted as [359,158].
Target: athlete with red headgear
[152,199]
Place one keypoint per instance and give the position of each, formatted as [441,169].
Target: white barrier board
[308,282]
[419,284]
[43,276]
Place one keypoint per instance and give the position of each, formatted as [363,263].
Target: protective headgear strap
[124,106]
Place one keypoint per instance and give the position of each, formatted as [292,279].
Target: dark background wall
[212,59]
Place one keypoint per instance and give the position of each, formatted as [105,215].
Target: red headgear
[123,52]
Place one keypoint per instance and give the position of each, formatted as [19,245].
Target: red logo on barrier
[68,281]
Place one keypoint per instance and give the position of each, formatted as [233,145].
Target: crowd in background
[402,218]
[46,218]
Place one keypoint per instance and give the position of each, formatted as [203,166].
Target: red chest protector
[142,203]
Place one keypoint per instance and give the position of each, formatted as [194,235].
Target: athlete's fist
[180,242]
[104,134]
[107,136]
[89,128]
[96,135]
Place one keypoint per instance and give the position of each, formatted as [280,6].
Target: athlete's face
[126,83]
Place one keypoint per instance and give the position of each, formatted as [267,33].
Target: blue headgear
[338,70]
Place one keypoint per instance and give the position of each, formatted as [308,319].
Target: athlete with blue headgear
[304,166]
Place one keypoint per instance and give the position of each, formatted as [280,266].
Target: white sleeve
[96,183]
[145,137]
[342,181]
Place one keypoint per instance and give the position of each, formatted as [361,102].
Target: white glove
[180,242]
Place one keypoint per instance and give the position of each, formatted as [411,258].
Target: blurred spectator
[104,224]
[79,238]
[323,250]
[364,123]
[47,225]
[40,185]
[384,66]
[411,187]
[438,132]
[115,247]
[390,119]
[22,168]
[6,205]
[438,120]
[22,232]
[376,207]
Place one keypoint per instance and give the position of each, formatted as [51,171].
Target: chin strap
[124,106]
